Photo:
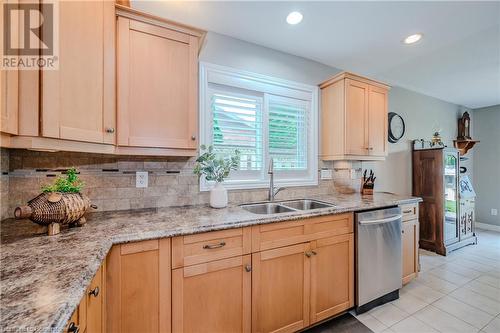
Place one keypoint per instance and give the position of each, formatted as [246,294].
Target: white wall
[232,52]
[420,112]
[486,125]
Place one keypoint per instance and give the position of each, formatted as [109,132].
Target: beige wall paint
[486,124]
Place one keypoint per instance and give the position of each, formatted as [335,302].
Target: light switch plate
[494,212]
[141,179]
[326,174]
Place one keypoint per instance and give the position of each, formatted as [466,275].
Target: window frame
[266,86]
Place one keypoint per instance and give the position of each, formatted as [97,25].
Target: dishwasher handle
[380,221]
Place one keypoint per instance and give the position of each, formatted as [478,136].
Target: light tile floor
[456,293]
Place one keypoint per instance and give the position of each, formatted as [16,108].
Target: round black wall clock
[397,127]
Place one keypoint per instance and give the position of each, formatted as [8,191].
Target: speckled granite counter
[43,278]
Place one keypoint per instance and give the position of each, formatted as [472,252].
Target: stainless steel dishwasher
[378,257]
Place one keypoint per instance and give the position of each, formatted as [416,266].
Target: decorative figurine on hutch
[60,203]
[464,127]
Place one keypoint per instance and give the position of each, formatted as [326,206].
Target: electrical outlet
[494,211]
[326,174]
[141,179]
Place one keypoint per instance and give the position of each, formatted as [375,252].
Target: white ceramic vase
[218,196]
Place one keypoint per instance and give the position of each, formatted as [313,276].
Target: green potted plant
[215,169]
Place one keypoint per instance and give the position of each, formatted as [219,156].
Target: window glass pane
[288,134]
[237,124]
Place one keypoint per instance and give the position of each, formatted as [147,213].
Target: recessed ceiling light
[412,38]
[294,18]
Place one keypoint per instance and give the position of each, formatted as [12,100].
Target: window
[263,118]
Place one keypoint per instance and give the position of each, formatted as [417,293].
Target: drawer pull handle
[214,246]
[407,211]
[248,268]
[94,292]
[72,328]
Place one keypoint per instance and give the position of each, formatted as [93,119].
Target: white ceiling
[458,60]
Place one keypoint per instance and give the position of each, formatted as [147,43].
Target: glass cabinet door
[451,225]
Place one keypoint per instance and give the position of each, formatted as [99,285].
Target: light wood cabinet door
[95,318]
[356,136]
[138,297]
[157,86]
[9,105]
[409,234]
[332,276]
[78,99]
[280,289]
[212,297]
[9,85]
[377,121]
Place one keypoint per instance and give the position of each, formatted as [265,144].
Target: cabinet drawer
[209,246]
[276,235]
[409,211]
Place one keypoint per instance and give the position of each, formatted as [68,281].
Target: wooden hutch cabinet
[435,180]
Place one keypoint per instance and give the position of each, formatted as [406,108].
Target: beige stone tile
[460,269]
[450,276]
[467,313]
[423,292]
[388,314]
[436,283]
[412,325]
[493,326]
[483,289]
[443,321]
[486,304]
[372,323]
[409,303]
[490,280]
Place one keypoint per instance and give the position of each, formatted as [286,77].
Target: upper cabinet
[78,99]
[126,83]
[353,118]
[157,83]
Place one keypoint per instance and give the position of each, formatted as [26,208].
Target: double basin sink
[285,206]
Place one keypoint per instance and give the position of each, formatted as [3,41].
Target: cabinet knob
[309,254]
[110,130]
[402,231]
[248,268]
[193,137]
[72,328]
[94,292]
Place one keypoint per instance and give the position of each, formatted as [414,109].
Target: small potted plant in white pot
[216,168]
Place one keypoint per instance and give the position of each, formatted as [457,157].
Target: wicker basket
[54,209]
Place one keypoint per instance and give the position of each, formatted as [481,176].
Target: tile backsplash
[110,180]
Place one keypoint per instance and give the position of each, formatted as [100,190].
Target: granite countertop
[44,277]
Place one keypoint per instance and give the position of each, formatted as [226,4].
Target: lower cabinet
[298,285]
[409,234]
[138,276]
[332,276]
[213,282]
[213,296]
[90,314]
[281,289]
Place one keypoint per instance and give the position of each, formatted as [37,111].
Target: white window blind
[263,118]
[237,124]
[288,126]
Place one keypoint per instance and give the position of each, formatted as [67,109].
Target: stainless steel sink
[266,208]
[305,204]
[285,206]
